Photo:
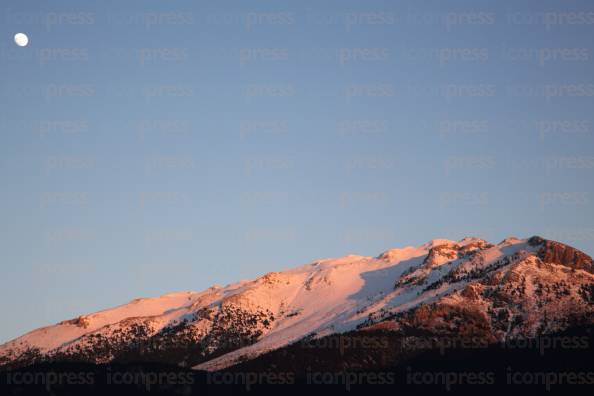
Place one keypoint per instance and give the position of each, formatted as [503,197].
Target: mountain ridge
[401,288]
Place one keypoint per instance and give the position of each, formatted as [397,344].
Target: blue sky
[150,146]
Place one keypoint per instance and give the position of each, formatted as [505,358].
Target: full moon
[21,39]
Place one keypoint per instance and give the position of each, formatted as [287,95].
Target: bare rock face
[440,254]
[471,292]
[81,321]
[558,253]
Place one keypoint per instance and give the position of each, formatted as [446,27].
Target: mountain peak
[223,325]
[396,255]
[438,242]
[511,240]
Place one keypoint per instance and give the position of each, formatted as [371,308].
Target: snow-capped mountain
[517,288]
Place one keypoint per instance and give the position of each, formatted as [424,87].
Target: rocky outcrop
[440,254]
[519,297]
[558,253]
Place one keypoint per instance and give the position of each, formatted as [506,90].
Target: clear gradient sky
[156,146]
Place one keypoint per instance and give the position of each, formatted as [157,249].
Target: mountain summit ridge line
[516,288]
